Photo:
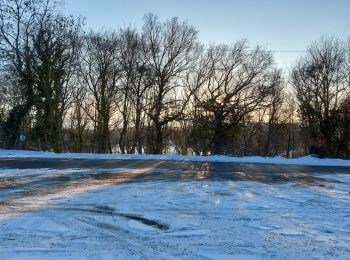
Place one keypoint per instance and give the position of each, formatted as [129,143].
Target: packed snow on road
[61,214]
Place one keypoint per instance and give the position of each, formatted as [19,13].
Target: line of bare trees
[321,82]
[157,89]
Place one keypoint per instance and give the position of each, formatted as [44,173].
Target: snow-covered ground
[207,219]
[306,160]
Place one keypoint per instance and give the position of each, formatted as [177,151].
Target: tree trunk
[159,139]
[218,140]
[138,137]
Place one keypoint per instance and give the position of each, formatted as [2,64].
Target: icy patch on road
[203,219]
[306,160]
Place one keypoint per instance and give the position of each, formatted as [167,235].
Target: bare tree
[100,74]
[171,48]
[240,83]
[319,83]
[135,82]
[277,117]
[78,120]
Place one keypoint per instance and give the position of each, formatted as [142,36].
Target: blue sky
[277,24]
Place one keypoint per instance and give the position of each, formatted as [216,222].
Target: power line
[274,51]
[278,51]
[290,51]
[346,28]
[299,51]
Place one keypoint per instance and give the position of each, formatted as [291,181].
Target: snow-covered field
[199,219]
[306,160]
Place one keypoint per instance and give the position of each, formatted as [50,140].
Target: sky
[280,25]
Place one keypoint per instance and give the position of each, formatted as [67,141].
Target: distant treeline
[157,89]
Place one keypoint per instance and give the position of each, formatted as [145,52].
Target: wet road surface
[173,170]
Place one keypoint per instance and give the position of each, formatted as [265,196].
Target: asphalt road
[178,170]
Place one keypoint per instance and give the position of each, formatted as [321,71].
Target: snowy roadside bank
[306,160]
